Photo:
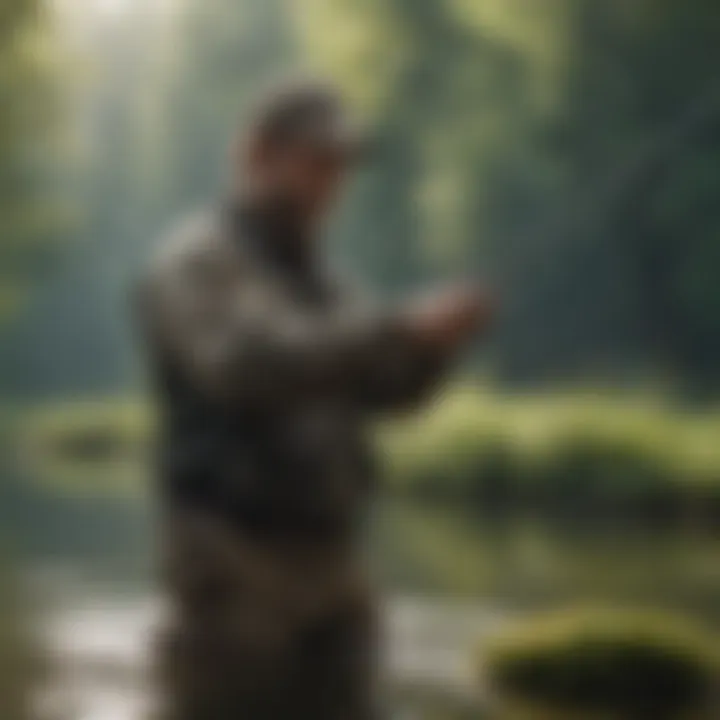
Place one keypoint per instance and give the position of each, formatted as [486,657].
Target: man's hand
[445,320]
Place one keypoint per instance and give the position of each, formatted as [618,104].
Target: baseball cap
[310,112]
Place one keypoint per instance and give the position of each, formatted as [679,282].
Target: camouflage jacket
[268,371]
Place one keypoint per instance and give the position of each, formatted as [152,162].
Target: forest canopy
[565,150]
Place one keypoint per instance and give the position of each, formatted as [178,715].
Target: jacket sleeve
[235,336]
[403,375]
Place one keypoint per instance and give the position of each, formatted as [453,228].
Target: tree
[31,212]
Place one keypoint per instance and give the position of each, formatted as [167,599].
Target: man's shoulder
[197,239]
[201,246]
[348,288]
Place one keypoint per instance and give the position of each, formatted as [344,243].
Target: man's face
[308,178]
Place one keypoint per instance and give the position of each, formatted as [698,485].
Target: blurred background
[565,151]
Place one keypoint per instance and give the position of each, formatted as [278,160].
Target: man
[268,371]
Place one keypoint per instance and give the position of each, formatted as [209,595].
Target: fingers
[450,317]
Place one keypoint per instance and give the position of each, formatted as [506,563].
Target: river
[449,580]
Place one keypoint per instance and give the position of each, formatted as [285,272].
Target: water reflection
[451,578]
[526,563]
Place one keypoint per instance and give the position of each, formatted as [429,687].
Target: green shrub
[73,444]
[559,452]
[567,452]
[624,666]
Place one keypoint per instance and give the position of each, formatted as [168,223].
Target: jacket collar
[271,230]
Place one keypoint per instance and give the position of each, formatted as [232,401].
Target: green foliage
[585,665]
[567,452]
[31,214]
[563,453]
[159,92]
[72,445]
[566,148]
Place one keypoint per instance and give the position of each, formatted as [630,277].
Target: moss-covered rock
[588,664]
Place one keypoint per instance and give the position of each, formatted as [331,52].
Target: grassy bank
[572,453]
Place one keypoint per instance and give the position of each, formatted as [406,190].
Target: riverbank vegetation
[568,453]
[575,453]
